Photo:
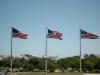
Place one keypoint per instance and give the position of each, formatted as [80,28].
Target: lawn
[42,73]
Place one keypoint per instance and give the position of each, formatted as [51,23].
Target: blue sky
[65,16]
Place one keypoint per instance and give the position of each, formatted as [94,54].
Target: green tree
[52,66]
[75,62]
[34,61]
[41,66]
[28,67]
[89,63]
[97,65]
[64,63]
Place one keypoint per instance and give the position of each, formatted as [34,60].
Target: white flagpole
[46,54]
[11,50]
[80,49]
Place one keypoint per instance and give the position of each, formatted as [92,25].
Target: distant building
[1,57]
[98,55]
[88,55]
[53,58]
[5,57]
[27,56]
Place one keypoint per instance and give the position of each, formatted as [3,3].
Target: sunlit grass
[42,73]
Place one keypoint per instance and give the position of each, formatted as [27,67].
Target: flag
[54,34]
[18,34]
[87,35]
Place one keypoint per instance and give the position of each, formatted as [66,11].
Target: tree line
[90,63]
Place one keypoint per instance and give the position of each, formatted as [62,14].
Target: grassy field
[41,73]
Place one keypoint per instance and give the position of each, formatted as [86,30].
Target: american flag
[54,34]
[18,34]
[87,35]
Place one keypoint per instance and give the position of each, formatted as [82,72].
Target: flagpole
[80,49]
[46,54]
[11,50]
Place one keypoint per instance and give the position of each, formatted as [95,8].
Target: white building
[1,57]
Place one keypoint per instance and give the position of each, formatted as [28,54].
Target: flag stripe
[54,34]
[18,34]
[87,35]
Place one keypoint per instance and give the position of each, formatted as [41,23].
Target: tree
[52,66]
[97,65]
[34,61]
[28,67]
[89,63]
[41,66]
[75,63]
[5,63]
[64,63]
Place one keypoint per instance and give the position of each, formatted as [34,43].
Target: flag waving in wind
[54,34]
[18,34]
[87,35]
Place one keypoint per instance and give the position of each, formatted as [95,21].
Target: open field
[42,73]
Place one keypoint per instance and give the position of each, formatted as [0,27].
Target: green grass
[42,73]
